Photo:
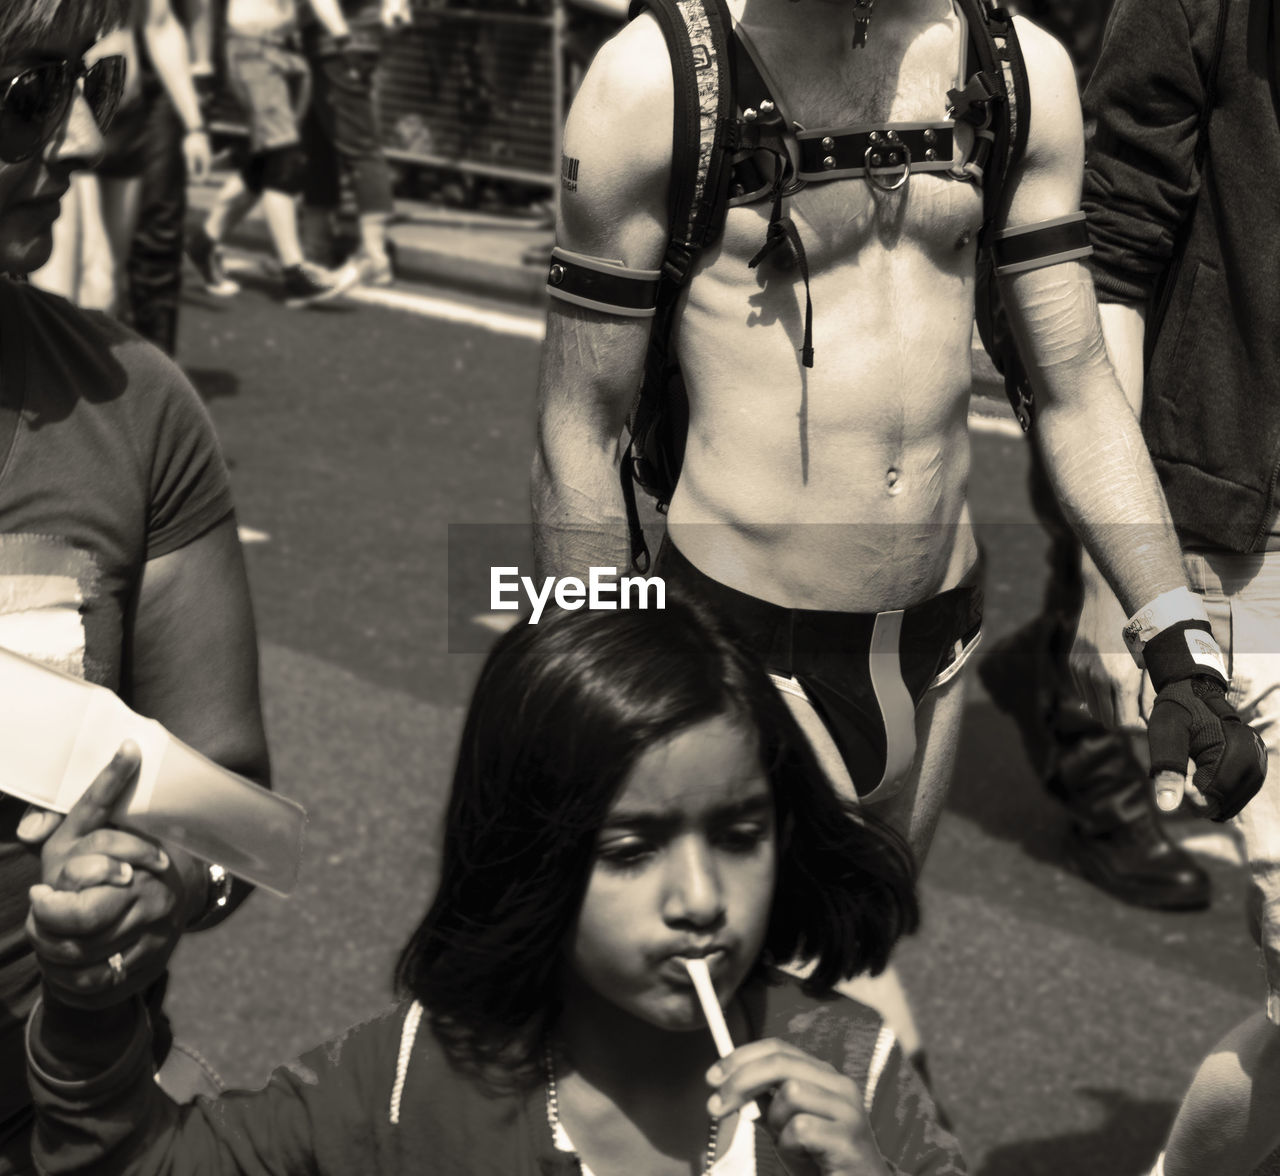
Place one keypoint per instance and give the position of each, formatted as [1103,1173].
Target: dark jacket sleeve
[1141,179]
[316,1116]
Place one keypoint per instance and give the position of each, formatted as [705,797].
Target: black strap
[1042,244]
[697,37]
[626,292]
[848,151]
[782,231]
[639,548]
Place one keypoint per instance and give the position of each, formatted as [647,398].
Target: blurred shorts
[272,83]
[1242,596]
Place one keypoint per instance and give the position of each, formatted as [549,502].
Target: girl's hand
[814,1112]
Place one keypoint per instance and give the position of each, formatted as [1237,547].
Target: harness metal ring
[874,181]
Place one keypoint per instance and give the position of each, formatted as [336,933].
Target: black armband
[1028,247]
[600,284]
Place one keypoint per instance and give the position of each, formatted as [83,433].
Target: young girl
[630,792]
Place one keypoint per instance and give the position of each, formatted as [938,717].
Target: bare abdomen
[841,486]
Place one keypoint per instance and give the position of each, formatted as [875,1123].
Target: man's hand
[1106,676]
[814,1112]
[107,893]
[396,14]
[1192,718]
[197,153]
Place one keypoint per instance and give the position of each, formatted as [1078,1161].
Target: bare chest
[851,96]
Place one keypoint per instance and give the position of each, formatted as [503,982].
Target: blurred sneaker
[206,255]
[307,284]
[375,271]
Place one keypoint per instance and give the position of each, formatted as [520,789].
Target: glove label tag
[1205,652]
[1178,604]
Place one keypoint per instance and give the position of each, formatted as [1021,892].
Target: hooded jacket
[1199,245]
[384,1100]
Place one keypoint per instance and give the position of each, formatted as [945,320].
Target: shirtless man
[842,487]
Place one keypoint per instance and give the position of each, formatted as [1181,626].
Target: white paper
[58,732]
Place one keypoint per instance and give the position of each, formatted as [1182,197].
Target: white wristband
[1178,604]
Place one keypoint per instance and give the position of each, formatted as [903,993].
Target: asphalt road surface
[1062,1027]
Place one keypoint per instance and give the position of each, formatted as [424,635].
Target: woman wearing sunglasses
[119,560]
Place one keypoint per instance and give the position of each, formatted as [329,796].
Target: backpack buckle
[972,104]
[676,264]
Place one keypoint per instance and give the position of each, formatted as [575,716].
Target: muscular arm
[1124,330]
[193,658]
[1092,445]
[620,132]
[171,54]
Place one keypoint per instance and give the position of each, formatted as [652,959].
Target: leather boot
[1116,839]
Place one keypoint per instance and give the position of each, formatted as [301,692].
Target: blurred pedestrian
[154,149]
[270,79]
[657,803]
[1180,191]
[175,150]
[342,138]
[119,556]
[157,141]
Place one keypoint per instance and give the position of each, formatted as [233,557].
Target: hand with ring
[112,905]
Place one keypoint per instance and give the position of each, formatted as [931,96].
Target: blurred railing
[473,87]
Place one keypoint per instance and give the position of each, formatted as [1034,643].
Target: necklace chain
[553,1112]
[861,21]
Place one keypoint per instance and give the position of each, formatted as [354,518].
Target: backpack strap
[697,36]
[996,101]
[1002,121]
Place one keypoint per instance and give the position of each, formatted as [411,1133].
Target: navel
[893,480]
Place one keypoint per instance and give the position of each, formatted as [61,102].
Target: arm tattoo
[569,173]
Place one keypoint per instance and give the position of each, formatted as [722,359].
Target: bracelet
[1178,604]
[200,130]
[217,897]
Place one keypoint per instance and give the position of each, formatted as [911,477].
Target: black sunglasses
[34,104]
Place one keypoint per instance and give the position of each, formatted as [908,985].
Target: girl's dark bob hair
[28,24]
[560,715]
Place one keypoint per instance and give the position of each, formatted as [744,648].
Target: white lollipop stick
[711,1010]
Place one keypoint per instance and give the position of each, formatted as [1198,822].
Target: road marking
[249,535]
[523,326]
[497,622]
[979,422]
